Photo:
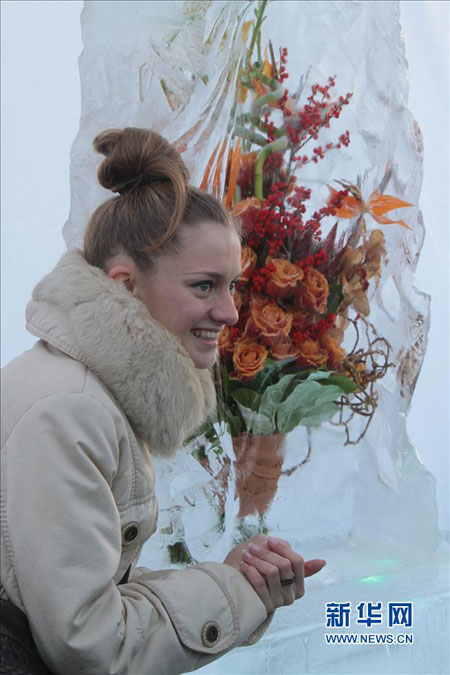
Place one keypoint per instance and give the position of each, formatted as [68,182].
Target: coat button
[210,633]
[130,532]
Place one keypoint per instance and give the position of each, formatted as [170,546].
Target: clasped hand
[275,571]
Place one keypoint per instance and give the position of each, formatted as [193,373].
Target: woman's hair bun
[107,140]
[147,218]
[135,157]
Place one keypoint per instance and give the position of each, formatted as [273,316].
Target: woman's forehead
[208,231]
[209,239]
[209,248]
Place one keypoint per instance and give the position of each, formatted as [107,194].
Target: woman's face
[191,292]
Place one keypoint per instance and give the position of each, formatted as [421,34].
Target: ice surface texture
[368,509]
[161,65]
[172,66]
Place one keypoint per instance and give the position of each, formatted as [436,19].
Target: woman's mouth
[209,337]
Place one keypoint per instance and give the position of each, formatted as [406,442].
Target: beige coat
[81,409]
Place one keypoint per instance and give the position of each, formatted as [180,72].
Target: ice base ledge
[295,641]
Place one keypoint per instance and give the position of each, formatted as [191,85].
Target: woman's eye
[204,286]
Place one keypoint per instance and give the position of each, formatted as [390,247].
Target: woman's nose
[224,310]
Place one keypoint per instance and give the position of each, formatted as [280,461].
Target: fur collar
[144,366]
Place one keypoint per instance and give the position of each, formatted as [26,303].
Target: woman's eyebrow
[214,275]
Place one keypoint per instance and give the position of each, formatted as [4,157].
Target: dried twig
[289,472]
[365,366]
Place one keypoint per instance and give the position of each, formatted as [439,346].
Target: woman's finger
[276,540]
[297,563]
[313,566]
[310,566]
[259,584]
[279,594]
[283,563]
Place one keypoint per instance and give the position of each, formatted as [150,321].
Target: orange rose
[313,291]
[257,301]
[283,280]
[248,358]
[283,349]
[248,263]
[311,354]
[226,345]
[335,353]
[269,321]
[246,213]
[300,319]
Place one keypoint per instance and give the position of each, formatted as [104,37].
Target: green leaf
[318,375]
[345,383]
[326,378]
[179,552]
[230,416]
[310,404]
[247,397]
[335,297]
[255,422]
[325,412]
[235,426]
[262,425]
[273,395]
[271,371]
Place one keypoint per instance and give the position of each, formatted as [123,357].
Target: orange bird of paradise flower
[377,205]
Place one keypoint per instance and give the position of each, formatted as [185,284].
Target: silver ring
[288,582]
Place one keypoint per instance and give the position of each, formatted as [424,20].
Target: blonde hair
[154,199]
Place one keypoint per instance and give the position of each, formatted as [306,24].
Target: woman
[128,331]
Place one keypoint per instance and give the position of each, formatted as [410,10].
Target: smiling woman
[190,292]
[128,332]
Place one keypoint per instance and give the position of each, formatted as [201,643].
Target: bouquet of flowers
[284,363]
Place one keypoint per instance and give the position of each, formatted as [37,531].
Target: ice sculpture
[173,67]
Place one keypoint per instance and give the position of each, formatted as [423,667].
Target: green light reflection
[376,579]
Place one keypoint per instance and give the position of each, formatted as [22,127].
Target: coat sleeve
[62,530]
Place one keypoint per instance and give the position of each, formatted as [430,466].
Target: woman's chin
[204,361]
[204,364]
[203,353]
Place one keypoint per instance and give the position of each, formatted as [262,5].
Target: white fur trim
[78,309]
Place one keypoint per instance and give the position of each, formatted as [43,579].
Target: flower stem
[257,122]
[276,93]
[249,134]
[257,29]
[279,144]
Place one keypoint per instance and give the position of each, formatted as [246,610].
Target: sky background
[40,94]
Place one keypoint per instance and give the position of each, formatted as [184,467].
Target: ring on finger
[289,581]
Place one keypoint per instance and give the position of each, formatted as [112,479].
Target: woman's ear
[123,274]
